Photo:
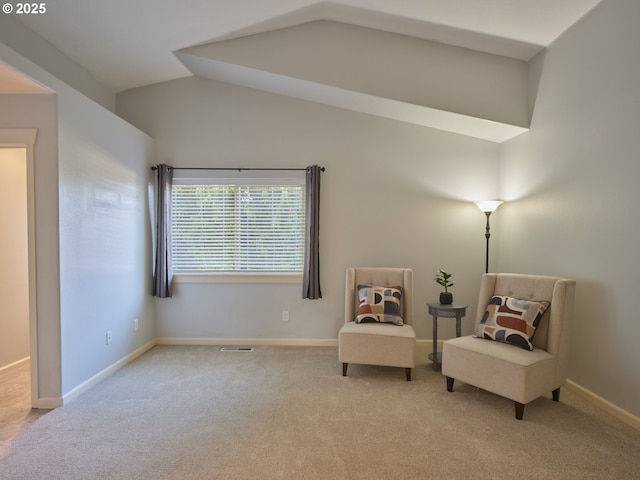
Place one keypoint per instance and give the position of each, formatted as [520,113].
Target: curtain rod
[239,169]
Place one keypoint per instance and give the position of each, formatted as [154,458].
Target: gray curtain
[311,279]
[162,274]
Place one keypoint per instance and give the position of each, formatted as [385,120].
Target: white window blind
[232,227]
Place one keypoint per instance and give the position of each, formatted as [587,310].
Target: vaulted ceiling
[391,58]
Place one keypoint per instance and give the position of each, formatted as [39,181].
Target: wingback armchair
[378,343]
[511,371]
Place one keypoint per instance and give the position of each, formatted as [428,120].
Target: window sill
[238,278]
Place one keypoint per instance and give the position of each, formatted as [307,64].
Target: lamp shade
[488,206]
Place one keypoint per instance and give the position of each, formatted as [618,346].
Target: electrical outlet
[109,337]
[135,324]
[285,315]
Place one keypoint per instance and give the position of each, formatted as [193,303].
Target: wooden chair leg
[344,369]
[449,384]
[519,410]
[408,372]
[556,395]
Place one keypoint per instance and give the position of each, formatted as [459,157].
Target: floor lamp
[488,207]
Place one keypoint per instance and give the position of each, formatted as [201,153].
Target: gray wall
[572,189]
[92,230]
[394,194]
[104,239]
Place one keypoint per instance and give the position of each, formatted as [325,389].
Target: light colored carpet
[287,413]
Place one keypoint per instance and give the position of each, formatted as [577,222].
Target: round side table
[456,311]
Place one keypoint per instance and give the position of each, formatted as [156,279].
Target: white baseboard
[15,364]
[243,342]
[83,387]
[605,405]
[293,342]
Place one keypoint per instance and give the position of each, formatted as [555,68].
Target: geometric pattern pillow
[379,304]
[511,320]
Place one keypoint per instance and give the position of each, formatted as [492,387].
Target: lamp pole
[488,207]
[487,235]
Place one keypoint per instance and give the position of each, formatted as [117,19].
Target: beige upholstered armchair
[511,370]
[381,338]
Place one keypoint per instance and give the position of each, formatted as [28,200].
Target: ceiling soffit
[376,72]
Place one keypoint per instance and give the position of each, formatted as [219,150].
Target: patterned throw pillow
[511,320]
[379,304]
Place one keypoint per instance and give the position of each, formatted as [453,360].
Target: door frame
[26,138]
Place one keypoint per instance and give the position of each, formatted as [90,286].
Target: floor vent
[236,349]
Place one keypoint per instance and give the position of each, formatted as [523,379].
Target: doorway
[15,371]
[18,316]
[14,281]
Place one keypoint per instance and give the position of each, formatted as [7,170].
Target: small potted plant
[443,278]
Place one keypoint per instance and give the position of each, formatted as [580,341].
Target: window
[233,226]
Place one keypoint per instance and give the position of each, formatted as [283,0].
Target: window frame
[230,276]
